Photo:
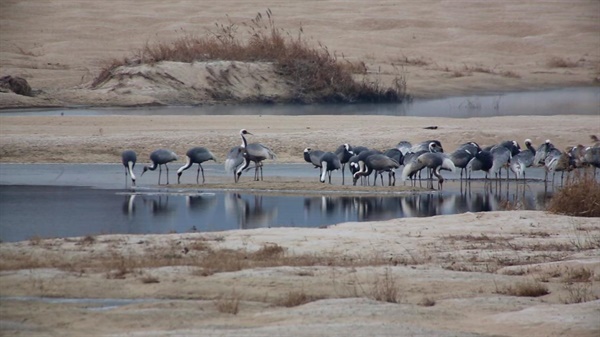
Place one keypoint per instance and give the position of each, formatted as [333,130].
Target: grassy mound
[315,75]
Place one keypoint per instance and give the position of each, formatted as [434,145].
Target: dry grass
[228,304]
[579,197]
[426,302]
[385,288]
[296,298]
[315,74]
[525,289]
[578,293]
[559,62]
[149,279]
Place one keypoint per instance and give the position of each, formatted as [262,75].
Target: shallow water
[568,101]
[66,200]
[67,211]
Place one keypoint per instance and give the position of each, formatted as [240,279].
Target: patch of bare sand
[442,49]
[449,273]
[91,139]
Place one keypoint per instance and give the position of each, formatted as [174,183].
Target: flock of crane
[363,162]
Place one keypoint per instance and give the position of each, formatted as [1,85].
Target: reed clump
[579,197]
[315,74]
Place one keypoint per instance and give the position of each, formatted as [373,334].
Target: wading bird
[314,157]
[482,161]
[160,157]
[256,153]
[329,162]
[129,157]
[235,160]
[433,160]
[379,163]
[196,155]
[522,160]
[344,153]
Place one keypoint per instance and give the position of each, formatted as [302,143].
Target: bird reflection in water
[200,202]
[158,204]
[250,214]
[129,205]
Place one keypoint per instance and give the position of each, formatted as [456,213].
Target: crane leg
[167,167]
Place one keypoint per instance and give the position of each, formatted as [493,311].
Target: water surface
[568,101]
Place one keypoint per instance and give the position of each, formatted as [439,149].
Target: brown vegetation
[316,75]
[579,197]
[525,289]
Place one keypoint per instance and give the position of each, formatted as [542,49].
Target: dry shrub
[578,275]
[559,62]
[525,289]
[228,305]
[385,288]
[150,279]
[268,251]
[296,298]
[579,197]
[315,74]
[87,240]
[426,302]
[578,293]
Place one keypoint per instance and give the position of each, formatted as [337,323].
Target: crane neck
[244,142]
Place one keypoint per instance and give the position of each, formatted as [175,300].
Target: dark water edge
[66,211]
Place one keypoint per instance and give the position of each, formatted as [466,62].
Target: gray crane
[329,162]
[501,156]
[473,147]
[358,165]
[410,157]
[160,157]
[542,152]
[461,158]
[379,163]
[395,154]
[511,145]
[358,149]
[128,158]
[433,160]
[235,161]
[196,155]
[522,160]
[404,146]
[256,153]
[314,157]
[557,161]
[482,161]
[344,153]
[428,145]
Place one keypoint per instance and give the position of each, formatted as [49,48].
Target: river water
[65,200]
